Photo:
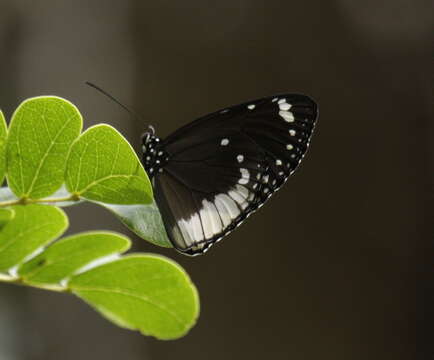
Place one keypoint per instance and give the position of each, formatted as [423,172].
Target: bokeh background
[338,265]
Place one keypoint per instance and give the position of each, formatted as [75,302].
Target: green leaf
[32,227]
[102,166]
[3,137]
[66,256]
[144,220]
[6,215]
[145,292]
[41,132]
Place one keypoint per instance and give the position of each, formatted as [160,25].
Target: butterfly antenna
[111,97]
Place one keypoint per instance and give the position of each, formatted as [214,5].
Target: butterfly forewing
[217,170]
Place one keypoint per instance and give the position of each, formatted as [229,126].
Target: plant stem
[50,200]
[18,281]
[24,201]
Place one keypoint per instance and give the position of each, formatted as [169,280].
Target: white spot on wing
[223,210]
[251,107]
[289,147]
[245,176]
[292,132]
[213,224]
[284,106]
[286,115]
[278,161]
[275,99]
[207,223]
[224,142]
[182,237]
[281,101]
[192,227]
[243,191]
[240,158]
[237,198]
[231,207]
[197,227]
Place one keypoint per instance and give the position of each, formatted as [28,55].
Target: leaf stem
[19,281]
[24,201]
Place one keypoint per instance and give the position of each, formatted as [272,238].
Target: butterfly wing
[224,166]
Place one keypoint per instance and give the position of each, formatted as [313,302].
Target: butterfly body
[211,174]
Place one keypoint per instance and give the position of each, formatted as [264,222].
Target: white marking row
[214,216]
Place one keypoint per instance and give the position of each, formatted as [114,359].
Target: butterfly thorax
[154,157]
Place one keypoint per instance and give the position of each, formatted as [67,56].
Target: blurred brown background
[339,265]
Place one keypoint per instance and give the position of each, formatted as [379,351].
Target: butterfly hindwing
[214,172]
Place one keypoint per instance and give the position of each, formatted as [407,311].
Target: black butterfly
[211,174]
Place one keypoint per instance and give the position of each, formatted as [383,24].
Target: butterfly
[211,174]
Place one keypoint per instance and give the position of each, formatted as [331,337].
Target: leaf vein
[42,161]
[139,297]
[96,182]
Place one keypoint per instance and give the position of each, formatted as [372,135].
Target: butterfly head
[147,135]
[154,157]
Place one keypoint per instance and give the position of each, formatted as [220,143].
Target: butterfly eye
[151,130]
[147,135]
